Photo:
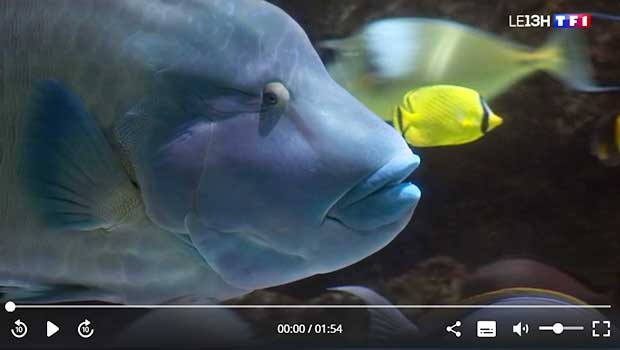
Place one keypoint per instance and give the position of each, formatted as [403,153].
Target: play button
[51,329]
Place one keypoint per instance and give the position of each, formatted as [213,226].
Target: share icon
[450,329]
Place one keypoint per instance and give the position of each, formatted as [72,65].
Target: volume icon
[519,328]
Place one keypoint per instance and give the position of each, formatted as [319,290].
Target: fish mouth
[381,198]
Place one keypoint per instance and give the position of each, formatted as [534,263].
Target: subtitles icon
[486,329]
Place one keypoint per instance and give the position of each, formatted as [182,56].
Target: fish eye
[270,98]
[275,94]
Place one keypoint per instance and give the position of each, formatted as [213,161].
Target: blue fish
[153,150]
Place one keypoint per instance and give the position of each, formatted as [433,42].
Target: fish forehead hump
[240,43]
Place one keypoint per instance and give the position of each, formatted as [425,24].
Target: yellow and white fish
[387,58]
[606,141]
[443,115]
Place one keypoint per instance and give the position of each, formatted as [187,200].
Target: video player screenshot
[326,174]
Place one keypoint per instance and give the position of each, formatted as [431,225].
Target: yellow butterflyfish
[443,115]
[606,140]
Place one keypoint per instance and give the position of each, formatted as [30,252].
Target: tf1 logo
[562,20]
[575,20]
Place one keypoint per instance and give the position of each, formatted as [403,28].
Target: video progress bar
[11,306]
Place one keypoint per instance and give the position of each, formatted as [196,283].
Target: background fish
[386,58]
[606,140]
[515,272]
[158,149]
[443,115]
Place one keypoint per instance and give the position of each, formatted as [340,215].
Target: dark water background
[529,189]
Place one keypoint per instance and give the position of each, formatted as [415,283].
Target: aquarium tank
[309,174]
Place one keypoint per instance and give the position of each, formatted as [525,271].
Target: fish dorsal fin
[73,177]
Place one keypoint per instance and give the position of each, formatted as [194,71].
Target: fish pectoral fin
[72,176]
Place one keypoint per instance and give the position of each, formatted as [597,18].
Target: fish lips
[382,198]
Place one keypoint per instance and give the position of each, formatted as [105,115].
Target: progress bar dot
[9,306]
